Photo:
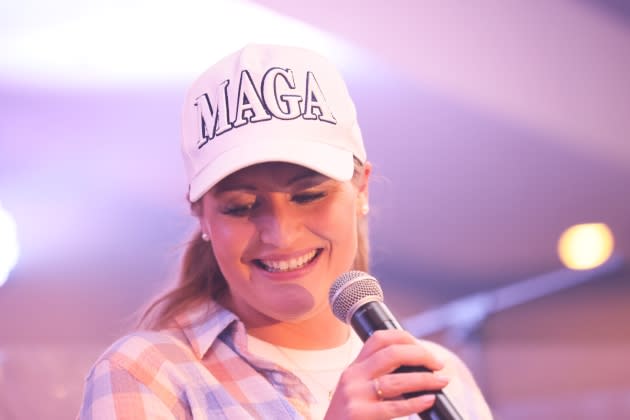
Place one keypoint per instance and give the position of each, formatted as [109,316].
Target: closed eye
[305,198]
[239,210]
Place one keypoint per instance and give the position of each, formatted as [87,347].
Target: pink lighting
[491,129]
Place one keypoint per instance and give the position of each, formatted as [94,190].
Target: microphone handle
[374,316]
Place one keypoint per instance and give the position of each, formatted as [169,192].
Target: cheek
[229,241]
[338,225]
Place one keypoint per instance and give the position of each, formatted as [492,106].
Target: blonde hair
[200,277]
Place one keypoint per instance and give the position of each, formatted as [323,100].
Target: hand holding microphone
[357,299]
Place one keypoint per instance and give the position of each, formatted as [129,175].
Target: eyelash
[238,211]
[305,198]
[243,210]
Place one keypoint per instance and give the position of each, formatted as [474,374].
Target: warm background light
[140,50]
[585,246]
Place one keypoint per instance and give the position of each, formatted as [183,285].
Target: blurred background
[500,205]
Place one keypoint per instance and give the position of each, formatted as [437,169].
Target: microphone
[356,298]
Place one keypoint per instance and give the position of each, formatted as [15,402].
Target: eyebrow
[234,186]
[309,173]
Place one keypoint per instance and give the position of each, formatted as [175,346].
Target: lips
[288,264]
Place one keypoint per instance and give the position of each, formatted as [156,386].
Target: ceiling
[492,128]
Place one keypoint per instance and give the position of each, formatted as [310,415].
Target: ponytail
[199,279]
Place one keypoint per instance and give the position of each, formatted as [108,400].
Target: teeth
[288,265]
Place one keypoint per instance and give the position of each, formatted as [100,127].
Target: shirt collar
[203,324]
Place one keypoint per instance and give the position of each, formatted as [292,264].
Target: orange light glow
[585,246]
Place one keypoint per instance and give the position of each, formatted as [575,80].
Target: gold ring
[377,388]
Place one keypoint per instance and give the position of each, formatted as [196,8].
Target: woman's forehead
[279,174]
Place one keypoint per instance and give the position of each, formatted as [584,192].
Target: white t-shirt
[320,370]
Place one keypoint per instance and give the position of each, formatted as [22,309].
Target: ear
[363,205]
[365,178]
[196,210]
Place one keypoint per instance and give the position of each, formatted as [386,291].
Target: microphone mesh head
[350,291]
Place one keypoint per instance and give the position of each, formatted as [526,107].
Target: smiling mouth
[281,266]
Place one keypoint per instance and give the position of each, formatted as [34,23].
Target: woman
[278,180]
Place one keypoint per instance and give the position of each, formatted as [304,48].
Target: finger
[389,358]
[401,408]
[395,385]
[383,338]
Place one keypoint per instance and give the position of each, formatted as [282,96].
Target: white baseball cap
[267,103]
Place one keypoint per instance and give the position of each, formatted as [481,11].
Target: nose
[279,224]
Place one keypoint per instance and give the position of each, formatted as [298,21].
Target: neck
[319,332]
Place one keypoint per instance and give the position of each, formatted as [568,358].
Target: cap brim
[324,158]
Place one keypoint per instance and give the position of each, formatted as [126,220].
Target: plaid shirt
[204,371]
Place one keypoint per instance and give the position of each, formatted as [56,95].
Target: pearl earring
[365,209]
[205,237]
